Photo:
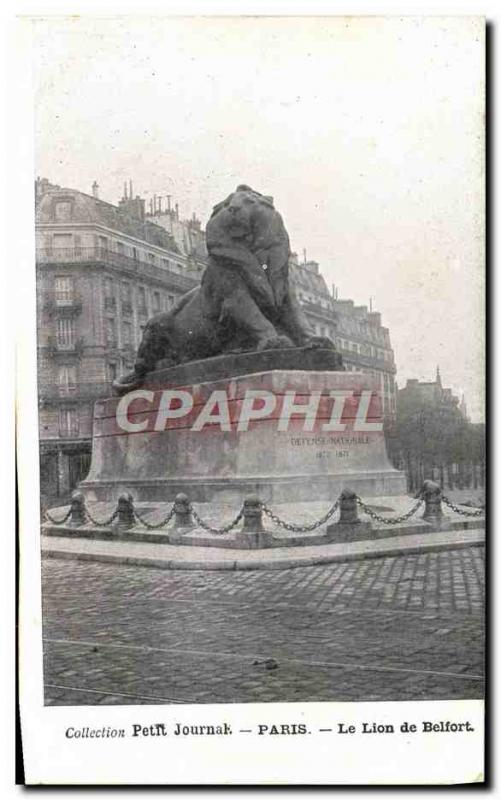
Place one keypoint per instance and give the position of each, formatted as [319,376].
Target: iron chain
[154,525]
[210,529]
[389,520]
[288,526]
[101,523]
[56,521]
[478,513]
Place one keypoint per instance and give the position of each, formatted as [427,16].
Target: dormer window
[62,211]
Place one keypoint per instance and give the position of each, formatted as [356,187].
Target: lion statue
[244,302]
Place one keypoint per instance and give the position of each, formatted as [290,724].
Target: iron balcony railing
[102,255]
[75,392]
[366,360]
[70,347]
[62,303]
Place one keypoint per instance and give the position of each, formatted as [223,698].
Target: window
[111,335]
[126,292]
[103,242]
[68,422]
[67,380]
[62,241]
[170,300]
[109,294]
[156,302]
[166,263]
[126,334]
[141,300]
[151,258]
[112,372]
[126,298]
[134,254]
[63,290]
[62,211]
[120,248]
[65,335]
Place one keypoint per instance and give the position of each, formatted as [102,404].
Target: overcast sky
[368,132]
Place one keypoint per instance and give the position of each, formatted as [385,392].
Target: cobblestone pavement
[401,628]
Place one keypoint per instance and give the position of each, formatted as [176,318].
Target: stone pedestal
[281,434]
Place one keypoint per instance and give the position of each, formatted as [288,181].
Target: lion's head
[236,216]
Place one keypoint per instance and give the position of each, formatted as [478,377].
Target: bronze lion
[244,302]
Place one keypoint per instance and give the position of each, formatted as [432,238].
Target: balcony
[367,361]
[82,392]
[62,304]
[59,349]
[103,257]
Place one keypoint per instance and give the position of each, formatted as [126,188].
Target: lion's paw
[318,342]
[278,342]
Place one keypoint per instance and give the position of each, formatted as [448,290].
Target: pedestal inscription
[284,434]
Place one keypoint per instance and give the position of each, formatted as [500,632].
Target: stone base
[253,540]
[233,365]
[285,435]
[341,532]
[269,488]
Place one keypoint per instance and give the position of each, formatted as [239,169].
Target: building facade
[432,437]
[357,332]
[102,271]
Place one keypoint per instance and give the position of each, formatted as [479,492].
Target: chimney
[159,204]
[168,202]
[177,210]
[125,190]
[95,189]
[130,189]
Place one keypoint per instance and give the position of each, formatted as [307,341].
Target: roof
[86,208]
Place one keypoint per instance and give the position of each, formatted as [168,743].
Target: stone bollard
[348,508]
[349,528]
[253,534]
[253,515]
[125,509]
[77,509]
[182,512]
[432,495]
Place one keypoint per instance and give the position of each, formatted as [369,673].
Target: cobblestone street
[401,628]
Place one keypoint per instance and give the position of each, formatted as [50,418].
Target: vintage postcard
[252,462]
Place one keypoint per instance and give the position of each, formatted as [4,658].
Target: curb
[243,563]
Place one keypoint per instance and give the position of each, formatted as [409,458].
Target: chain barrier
[152,526]
[56,521]
[288,526]
[210,529]
[478,513]
[100,523]
[389,520]
[270,514]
